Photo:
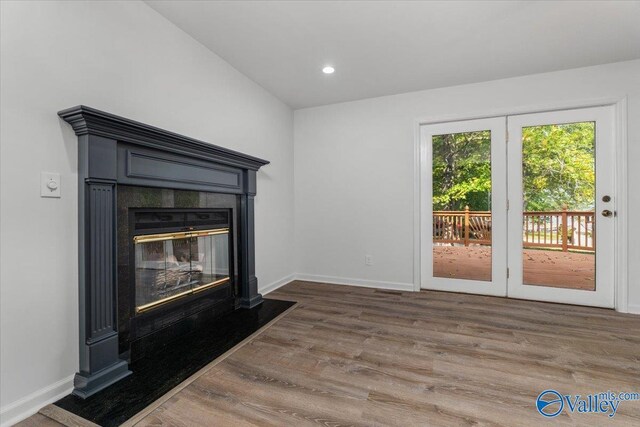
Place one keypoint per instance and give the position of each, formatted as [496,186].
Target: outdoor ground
[541,267]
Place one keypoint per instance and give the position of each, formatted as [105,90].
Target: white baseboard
[633,308]
[30,404]
[264,290]
[396,286]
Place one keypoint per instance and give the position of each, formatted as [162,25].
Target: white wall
[354,168]
[124,58]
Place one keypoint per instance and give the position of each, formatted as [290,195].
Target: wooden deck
[541,267]
[357,356]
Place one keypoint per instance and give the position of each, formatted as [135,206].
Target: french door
[510,205]
[463,237]
[562,211]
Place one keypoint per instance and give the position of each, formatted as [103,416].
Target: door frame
[621,282]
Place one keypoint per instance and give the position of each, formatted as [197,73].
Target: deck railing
[564,229]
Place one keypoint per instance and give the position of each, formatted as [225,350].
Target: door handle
[607,213]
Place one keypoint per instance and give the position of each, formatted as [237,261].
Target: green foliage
[558,168]
[462,171]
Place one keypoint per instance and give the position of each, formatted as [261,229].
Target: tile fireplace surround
[116,152]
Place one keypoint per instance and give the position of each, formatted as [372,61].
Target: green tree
[558,166]
[462,171]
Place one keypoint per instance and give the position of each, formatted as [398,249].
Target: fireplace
[166,239]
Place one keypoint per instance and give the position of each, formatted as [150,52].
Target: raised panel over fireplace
[139,166]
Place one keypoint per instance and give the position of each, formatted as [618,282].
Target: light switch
[50,184]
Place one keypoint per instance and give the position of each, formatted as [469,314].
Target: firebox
[172,264]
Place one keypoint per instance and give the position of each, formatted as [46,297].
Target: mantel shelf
[86,120]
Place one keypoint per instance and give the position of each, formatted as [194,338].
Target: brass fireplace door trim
[146,238]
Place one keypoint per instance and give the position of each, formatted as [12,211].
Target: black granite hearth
[156,374]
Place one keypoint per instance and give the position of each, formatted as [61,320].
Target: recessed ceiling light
[328,70]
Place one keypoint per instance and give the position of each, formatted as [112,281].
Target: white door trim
[621,244]
[622,196]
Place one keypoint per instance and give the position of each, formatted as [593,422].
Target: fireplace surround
[166,233]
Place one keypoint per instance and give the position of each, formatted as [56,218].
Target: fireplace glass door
[172,265]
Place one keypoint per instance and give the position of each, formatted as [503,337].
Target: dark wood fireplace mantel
[113,150]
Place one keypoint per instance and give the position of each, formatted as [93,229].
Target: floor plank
[38,420]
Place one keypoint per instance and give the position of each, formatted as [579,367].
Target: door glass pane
[558,164]
[462,205]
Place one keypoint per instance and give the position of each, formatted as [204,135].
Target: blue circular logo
[550,403]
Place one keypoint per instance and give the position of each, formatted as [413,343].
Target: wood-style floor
[358,356]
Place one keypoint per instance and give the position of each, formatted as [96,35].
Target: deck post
[565,246]
[466,225]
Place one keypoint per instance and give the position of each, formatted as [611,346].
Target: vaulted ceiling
[388,47]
